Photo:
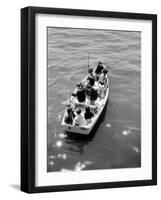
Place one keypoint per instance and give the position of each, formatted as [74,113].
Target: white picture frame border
[91,176]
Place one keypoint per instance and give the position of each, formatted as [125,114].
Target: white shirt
[101,79]
[79,120]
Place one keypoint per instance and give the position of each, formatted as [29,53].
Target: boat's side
[86,129]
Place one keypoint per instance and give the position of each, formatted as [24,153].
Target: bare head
[90,71]
[99,63]
[78,111]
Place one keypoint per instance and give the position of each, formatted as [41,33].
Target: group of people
[92,90]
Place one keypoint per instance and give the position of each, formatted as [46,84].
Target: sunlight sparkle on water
[125,132]
[79,166]
[52,157]
[62,135]
[59,143]
[136,149]
[63,156]
[65,170]
[51,163]
[108,125]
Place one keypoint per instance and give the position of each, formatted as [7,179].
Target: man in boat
[99,69]
[73,100]
[101,90]
[88,114]
[69,116]
[81,94]
[91,76]
[93,95]
[90,82]
[79,119]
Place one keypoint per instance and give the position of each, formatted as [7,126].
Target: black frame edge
[91,13]
[28,99]
[154,99]
[24,100]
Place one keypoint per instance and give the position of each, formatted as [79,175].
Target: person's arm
[74,95]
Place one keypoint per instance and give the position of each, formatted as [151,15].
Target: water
[117,140]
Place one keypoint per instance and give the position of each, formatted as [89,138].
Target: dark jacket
[88,115]
[99,69]
[91,80]
[81,95]
[69,118]
[94,94]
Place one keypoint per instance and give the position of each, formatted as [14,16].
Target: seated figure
[94,95]
[81,94]
[79,119]
[91,77]
[101,89]
[99,68]
[88,114]
[69,116]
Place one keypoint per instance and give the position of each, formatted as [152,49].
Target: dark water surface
[117,141]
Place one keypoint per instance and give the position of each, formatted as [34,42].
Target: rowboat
[100,104]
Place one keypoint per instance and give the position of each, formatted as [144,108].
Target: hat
[90,70]
[88,86]
[78,111]
[69,109]
[78,84]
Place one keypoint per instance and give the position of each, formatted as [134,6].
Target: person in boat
[90,78]
[88,90]
[70,116]
[105,76]
[90,74]
[91,82]
[99,69]
[94,95]
[105,72]
[81,94]
[73,100]
[88,114]
[101,90]
[79,119]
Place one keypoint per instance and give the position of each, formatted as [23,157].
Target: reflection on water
[116,141]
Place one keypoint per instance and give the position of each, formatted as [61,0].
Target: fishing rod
[88,61]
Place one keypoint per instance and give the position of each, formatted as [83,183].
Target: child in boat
[79,119]
[88,115]
[69,116]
